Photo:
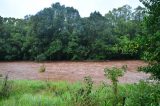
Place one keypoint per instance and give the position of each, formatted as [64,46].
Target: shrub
[87,91]
[113,75]
[154,69]
[83,96]
[42,68]
[5,88]
[41,57]
[1,75]
[144,94]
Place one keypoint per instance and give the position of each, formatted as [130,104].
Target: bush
[5,88]
[41,57]
[87,91]
[113,75]
[84,95]
[154,69]
[42,68]
[143,94]
[1,75]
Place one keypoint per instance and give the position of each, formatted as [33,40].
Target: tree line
[60,33]
[151,38]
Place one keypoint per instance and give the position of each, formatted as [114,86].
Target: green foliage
[151,43]
[152,48]
[41,57]
[113,74]
[41,93]
[87,91]
[5,87]
[128,47]
[152,21]
[144,94]
[54,49]
[153,68]
[59,33]
[84,96]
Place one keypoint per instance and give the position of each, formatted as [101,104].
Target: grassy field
[45,93]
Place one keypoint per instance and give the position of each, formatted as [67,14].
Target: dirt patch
[71,71]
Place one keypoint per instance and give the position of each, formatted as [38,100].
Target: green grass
[44,93]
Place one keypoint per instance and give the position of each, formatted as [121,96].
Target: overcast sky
[20,8]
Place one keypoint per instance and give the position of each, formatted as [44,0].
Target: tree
[139,14]
[152,46]
[153,10]
[113,74]
[59,33]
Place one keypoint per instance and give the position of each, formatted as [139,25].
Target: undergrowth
[39,93]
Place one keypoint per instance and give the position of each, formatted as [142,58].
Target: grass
[45,93]
[37,93]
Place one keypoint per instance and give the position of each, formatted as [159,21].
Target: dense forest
[59,33]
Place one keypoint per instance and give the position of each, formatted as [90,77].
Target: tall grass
[41,93]
[5,87]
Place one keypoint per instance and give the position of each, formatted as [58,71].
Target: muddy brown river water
[71,71]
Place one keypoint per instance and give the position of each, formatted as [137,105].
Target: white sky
[20,8]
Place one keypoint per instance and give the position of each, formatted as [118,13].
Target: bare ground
[71,71]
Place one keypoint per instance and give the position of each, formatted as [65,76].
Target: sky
[20,8]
